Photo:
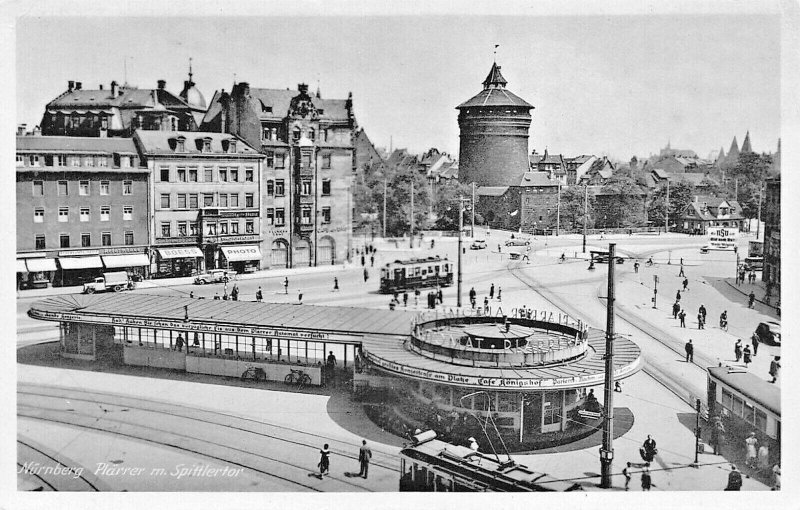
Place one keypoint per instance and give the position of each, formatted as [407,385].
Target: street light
[698,405]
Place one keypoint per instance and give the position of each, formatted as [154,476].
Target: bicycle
[297,378]
[255,373]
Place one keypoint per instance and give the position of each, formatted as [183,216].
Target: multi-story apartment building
[308,144]
[81,209]
[206,201]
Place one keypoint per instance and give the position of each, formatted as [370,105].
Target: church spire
[746,144]
[733,153]
[494,79]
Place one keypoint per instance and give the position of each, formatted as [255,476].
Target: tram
[745,403]
[413,273]
[431,465]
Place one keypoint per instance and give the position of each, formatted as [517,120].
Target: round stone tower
[494,135]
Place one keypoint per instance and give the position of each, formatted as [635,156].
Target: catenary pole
[585,212]
[411,236]
[666,211]
[384,207]
[607,450]
[558,209]
[472,229]
[460,230]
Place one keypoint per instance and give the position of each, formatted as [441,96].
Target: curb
[737,289]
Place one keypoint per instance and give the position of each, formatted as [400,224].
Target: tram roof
[328,318]
[752,386]
[427,260]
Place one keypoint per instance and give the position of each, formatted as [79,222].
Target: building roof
[103,99]
[661,173]
[750,385]
[158,142]
[75,144]
[337,319]
[491,191]
[494,78]
[495,97]
[537,179]
[274,103]
[696,209]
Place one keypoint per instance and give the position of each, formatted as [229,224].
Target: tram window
[761,420]
[445,268]
[737,406]
[749,413]
[416,271]
[727,399]
[424,272]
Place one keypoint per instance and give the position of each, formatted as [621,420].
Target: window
[165,174]
[20,160]
[248,200]
[181,174]
[85,213]
[62,161]
[105,238]
[192,228]
[208,200]
[223,228]
[280,160]
[248,175]
[270,216]
[192,200]
[208,174]
[761,420]
[279,188]
[101,161]
[326,161]
[63,188]
[182,228]
[270,188]
[86,240]
[125,161]
[75,161]
[38,188]
[749,413]
[89,161]
[234,200]
[312,135]
[129,237]
[127,187]
[223,174]
[63,214]
[270,159]
[234,175]
[248,227]
[105,212]
[181,200]
[165,229]
[306,160]
[223,200]
[38,215]
[127,212]
[326,187]
[40,242]
[305,216]
[83,188]
[33,160]
[280,217]
[326,215]
[63,240]
[104,187]
[212,229]
[165,200]
[266,133]
[192,175]
[234,227]
[296,134]
[206,144]
[305,188]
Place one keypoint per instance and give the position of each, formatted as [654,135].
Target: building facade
[772,235]
[493,149]
[308,144]
[704,212]
[81,209]
[205,202]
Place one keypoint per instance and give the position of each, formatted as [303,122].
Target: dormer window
[229,146]
[180,144]
[296,134]
[207,144]
[311,134]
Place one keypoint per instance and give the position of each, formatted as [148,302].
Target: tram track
[186,442]
[94,485]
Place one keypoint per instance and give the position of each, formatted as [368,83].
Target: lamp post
[585,212]
[607,449]
[461,201]
[698,405]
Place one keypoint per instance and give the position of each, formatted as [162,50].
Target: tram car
[431,465]
[413,273]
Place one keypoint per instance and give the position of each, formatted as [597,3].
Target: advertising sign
[722,238]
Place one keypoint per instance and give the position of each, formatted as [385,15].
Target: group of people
[364,457]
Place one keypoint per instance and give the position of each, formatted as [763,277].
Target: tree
[681,195]
[446,204]
[622,203]
[572,208]
[752,167]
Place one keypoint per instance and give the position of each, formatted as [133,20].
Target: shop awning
[131,260]
[79,262]
[179,253]
[38,265]
[241,252]
[21,268]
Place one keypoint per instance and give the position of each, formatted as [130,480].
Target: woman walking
[324,461]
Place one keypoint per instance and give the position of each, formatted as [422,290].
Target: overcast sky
[617,85]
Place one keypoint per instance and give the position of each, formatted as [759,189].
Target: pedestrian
[485,305]
[416,296]
[324,461]
[689,351]
[364,456]
[499,250]
[618,386]
[300,297]
[734,479]
[499,293]
[751,443]
[676,307]
[681,273]
[703,311]
[699,320]
[649,448]
[216,295]
[440,296]
[335,284]
[286,285]
[685,284]
[491,292]
[723,320]
[751,299]
[405,299]
[259,295]
[330,364]
[647,479]
[627,474]
[737,349]
[682,317]
[191,294]
[775,368]
[372,261]
[179,343]
[746,356]
[755,341]
[366,275]
[776,477]
[635,270]
[432,243]
[678,296]
[472,295]
[473,445]
[363,261]
[717,434]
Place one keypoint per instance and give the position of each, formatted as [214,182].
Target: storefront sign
[278,232]
[331,230]
[121,251]
[230,239]
[176,240]
[78,253]
[722,238]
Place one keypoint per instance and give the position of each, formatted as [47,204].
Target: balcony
[304,227]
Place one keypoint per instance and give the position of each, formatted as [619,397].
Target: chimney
[21,128]
[70,85]
[113,89]
[101,86]
[303,88]
[37,131]
[162,84]
[78,85]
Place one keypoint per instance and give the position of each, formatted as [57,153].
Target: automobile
[477,244]
[519,241]
[754,263]
[769,333]
[601,257]
[704,249]
[214,276]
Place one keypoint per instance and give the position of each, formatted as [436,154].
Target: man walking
[635,270]
[685,284]
[366,275]
[681,273]
[678,296]
[746,355]
[405,298]
[737,349]
[755,341]
[702,310]
[717,434]
[331,365]
[775,368]
[689,351]
[699,320]
[364,456]
[682,317]
[472,295]
[751,299]
[491,292]
[324,461]
[335,284]
[286,285]
[499,294]
[259,295]
[675,309]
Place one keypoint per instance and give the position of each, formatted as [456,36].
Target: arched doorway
[326,251]
[302,253]
[280,253]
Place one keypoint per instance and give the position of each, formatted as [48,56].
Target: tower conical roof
[746,144]
[495,93]
[494,78]
[733,153]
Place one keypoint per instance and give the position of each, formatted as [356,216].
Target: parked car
[754,264]
[214,276]
[115,281]
[519,241]
[769,333]
[477,244]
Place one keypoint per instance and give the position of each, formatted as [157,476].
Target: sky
[617,85]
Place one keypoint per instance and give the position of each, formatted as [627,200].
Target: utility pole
[585,212]
[736,188]
[655,289]
[607,450]
[758,218]
[384,207]
[698,405]
[461,201]
[558,209]
[666,211]
[411,236]
[472,228]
